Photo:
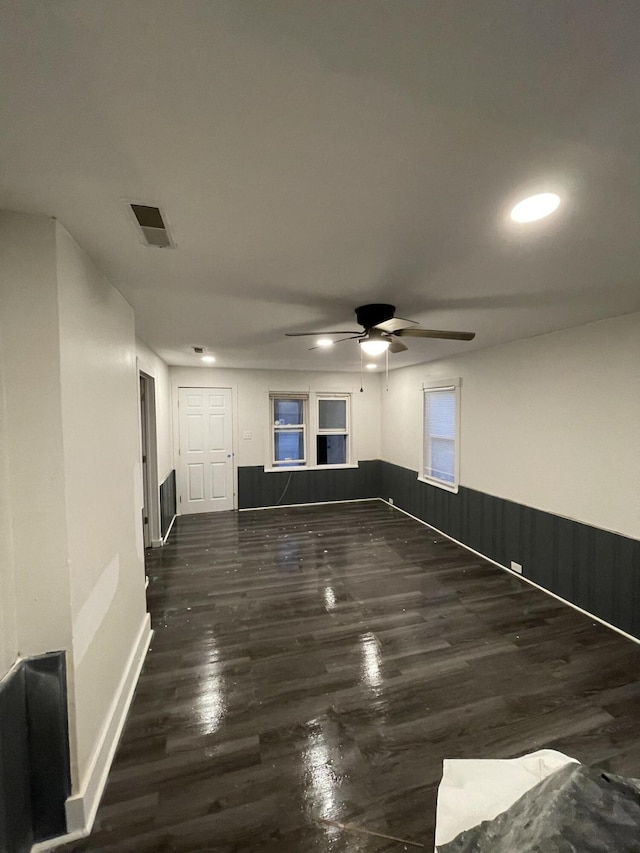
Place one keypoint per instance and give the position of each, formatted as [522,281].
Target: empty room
[319,426]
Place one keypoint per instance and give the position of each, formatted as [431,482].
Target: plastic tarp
[474,790]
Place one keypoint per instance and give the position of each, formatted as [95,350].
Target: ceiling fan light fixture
[535,207]
[374,347]
[382,332]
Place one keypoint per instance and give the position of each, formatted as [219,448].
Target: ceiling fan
[383,330]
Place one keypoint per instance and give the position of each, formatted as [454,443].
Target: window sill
[448,487]
[310,468]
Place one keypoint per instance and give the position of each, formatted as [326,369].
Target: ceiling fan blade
[436,333]
[351,338]
[394,324]
[318,334]
[397,346]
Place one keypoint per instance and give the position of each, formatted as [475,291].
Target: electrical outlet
[246,433]
[391,501]
[516,567]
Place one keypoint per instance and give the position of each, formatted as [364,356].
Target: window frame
[434,386]
[292,464]
[311,429]
[326,395]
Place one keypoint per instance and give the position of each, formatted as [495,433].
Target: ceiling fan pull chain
[386,352]
[361,376]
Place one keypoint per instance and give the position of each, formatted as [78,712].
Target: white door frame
[149,467]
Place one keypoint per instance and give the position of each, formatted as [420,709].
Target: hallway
[319,663]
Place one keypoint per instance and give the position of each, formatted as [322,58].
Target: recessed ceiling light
[324,342]
[208,359]
[371,366]
[535,207]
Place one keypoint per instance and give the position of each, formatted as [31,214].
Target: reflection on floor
[320,662]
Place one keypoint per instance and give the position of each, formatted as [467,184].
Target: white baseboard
[314,503]
[517,575]
[81,807]
[157,543]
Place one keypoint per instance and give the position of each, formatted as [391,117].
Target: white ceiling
[314,156]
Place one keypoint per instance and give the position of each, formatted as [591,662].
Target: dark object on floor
[575,810]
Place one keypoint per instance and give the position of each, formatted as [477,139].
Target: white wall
[154,366]
[34,508]
[551,422]
[251,405]
[8,627]
[71,571]
[99,381]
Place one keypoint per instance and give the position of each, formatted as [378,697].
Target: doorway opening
[149,463]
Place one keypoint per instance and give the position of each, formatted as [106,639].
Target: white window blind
[440,434]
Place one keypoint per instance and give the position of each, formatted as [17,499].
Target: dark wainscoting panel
[34,753]
[50,779]
[256,487]
[16,829]
[167,502]
[597,570]
[592,568]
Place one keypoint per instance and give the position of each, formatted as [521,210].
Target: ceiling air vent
[152,226]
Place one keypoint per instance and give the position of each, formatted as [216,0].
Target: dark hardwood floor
[320,662]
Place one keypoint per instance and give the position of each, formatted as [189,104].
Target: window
[289,438]
[332,436]
[309,430]
[441,435]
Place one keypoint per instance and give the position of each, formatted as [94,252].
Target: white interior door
[206,450]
